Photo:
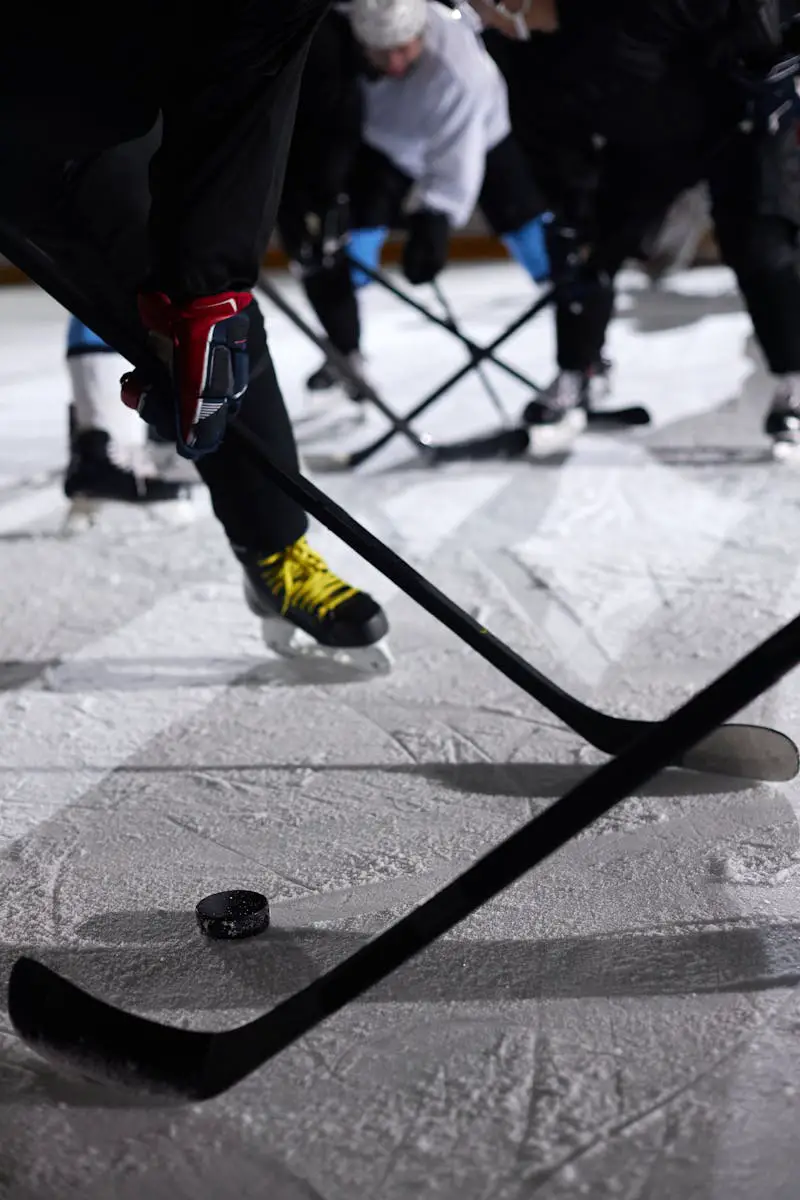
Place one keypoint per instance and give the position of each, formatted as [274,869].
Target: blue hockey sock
[365,245]
[528,246]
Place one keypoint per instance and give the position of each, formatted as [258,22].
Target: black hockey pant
[621,191]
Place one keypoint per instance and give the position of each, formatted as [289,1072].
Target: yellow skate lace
[305,580]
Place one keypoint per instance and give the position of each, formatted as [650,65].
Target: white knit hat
[381,24]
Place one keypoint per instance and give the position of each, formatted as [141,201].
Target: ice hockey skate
[112,458]
[100,473]
[332,404]
[782,423]
[307,611]
[558,416]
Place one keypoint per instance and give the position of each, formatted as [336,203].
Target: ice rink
[623,1023]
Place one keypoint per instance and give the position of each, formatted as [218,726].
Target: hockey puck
[238,914]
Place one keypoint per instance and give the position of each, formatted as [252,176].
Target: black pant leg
[755,190]
[375,191]
[509,197]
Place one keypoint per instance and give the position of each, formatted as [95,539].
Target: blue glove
[365,245]
[528,246]
[774,99]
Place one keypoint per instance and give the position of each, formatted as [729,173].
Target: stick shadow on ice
[175,975]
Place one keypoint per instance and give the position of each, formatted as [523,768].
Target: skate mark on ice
[669,527]
[361,900]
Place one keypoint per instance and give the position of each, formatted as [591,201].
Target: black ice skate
[308,611]
[97,475]
[328,376]
[783,420]
[333,404]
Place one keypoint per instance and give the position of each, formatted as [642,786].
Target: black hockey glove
[425,251]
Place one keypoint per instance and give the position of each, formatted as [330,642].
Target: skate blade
[85,512]
[549,440]
[288,641]
[82,515]
[785,451]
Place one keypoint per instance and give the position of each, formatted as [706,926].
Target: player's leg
[88,251]
[109,453]
[755,188]
[322,239]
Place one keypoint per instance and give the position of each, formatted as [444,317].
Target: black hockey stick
[602,418]
[480,370]
[109,1045]
[478,354]
[507,443]
[517,438]
[750,751]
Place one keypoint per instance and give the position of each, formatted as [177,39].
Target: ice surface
[623,1023]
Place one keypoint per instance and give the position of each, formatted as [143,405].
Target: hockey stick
[517,444]
[480,371]
[109,1045]
[479,354]
[603,418]
[507,443]
[750,751]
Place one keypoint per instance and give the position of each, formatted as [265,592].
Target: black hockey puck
[227,915]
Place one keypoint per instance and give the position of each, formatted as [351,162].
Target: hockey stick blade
[605,732]
[508,443]
[635,415]
[744,752]
[108,1045]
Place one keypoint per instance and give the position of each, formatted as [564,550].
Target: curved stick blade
[102,1043]
[745,752]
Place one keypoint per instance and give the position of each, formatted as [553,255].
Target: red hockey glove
[203,343]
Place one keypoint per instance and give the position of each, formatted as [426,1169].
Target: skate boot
[326,415]
[559,414]
[98,474]
[328,377]
[308,611]
[783,420]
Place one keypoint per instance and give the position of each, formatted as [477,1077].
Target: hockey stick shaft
[480,370]
[420,589]
[530,845]
[105,1042]
[340,361]
[360,456]
[603,731]
[478,353]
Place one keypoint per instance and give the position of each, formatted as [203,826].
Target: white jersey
[439,122]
